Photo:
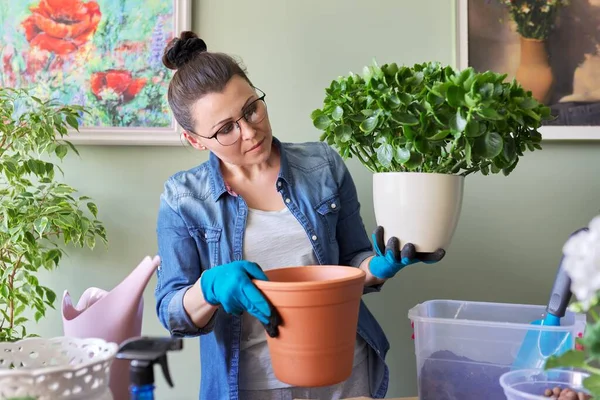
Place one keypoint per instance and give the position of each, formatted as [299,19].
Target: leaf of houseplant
[488,145]
[592,383]
[571,358]
[449,109]
[401,155]
[385,154]
[322,122]
[405,118]
[337,113]
[591,340]
[344,133]
[458,122]
[456,96]
[369,124]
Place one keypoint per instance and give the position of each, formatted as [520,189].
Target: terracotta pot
[418,208]
[319,307]
[534,72]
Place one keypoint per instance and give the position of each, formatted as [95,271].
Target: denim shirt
[201,225]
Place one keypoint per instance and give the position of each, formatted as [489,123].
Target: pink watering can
[114,316]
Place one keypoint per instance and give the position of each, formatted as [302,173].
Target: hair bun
[182,49]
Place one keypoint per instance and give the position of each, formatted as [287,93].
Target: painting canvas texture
[101,54]
[550,46]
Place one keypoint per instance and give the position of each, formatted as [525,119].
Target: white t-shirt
[273,239]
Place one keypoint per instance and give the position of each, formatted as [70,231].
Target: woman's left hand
[390,259]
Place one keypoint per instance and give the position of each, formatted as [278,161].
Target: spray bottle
[144,352]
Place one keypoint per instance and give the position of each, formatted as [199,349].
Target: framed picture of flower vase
[551,47]
[105,55]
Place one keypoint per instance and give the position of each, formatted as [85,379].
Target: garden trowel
[540,344]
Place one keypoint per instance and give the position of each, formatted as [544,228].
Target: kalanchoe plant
[430,118]
[37,212]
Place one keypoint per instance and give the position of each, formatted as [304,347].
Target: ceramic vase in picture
[418,208]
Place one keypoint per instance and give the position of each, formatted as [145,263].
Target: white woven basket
[56,368]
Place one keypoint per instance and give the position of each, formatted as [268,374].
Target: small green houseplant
[430,120]
[38,213]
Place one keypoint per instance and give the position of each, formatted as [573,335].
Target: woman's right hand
[230,286]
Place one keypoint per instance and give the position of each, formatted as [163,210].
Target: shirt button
[314,237]
[206,235]
[279,183]
[287,200]
[333,205]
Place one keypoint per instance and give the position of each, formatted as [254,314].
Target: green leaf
[385,154]
[591,340]
[369,124]
[415,161]
[473,129]
[405,118]
[4,291]
[322,122]
[440,135]
[401,155]
[408,132]
[456,96]
[50,295]
[94,209]
[509,152]
[488,146]
[571,358]
[40,225]
[489,113]
[527,103]
[61,151]
[592,383]
[38,315]
[421,145]
[470,100]
[458,122]
[72,121]
[337,113]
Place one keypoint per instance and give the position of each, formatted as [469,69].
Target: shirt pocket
[329,210]
[207,241]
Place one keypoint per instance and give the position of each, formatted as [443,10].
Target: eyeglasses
[254,113]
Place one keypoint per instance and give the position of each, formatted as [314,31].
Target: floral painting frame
[102,54]
[494,37]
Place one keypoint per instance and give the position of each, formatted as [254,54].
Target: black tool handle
[561,291]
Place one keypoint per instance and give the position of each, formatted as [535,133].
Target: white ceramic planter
[420,208]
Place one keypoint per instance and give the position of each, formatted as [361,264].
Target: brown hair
[198,72]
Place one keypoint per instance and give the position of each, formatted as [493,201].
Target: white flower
[582,262]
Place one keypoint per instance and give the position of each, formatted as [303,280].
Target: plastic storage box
[462,348]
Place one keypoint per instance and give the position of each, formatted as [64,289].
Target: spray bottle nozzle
[144,352]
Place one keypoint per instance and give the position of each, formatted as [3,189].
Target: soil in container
[447,376]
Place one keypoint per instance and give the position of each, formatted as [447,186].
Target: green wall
[509,238]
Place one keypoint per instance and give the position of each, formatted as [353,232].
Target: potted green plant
[421,130]
[38,213]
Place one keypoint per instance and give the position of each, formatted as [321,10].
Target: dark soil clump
[446,376]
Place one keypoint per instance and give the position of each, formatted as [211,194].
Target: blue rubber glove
[390,260]
[230,286]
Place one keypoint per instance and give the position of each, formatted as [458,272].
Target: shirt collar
[218,186]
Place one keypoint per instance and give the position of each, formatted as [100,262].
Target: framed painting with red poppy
[102,54]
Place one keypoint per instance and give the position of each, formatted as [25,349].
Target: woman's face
[215,127]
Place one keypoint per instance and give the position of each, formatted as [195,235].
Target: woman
[256,204]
